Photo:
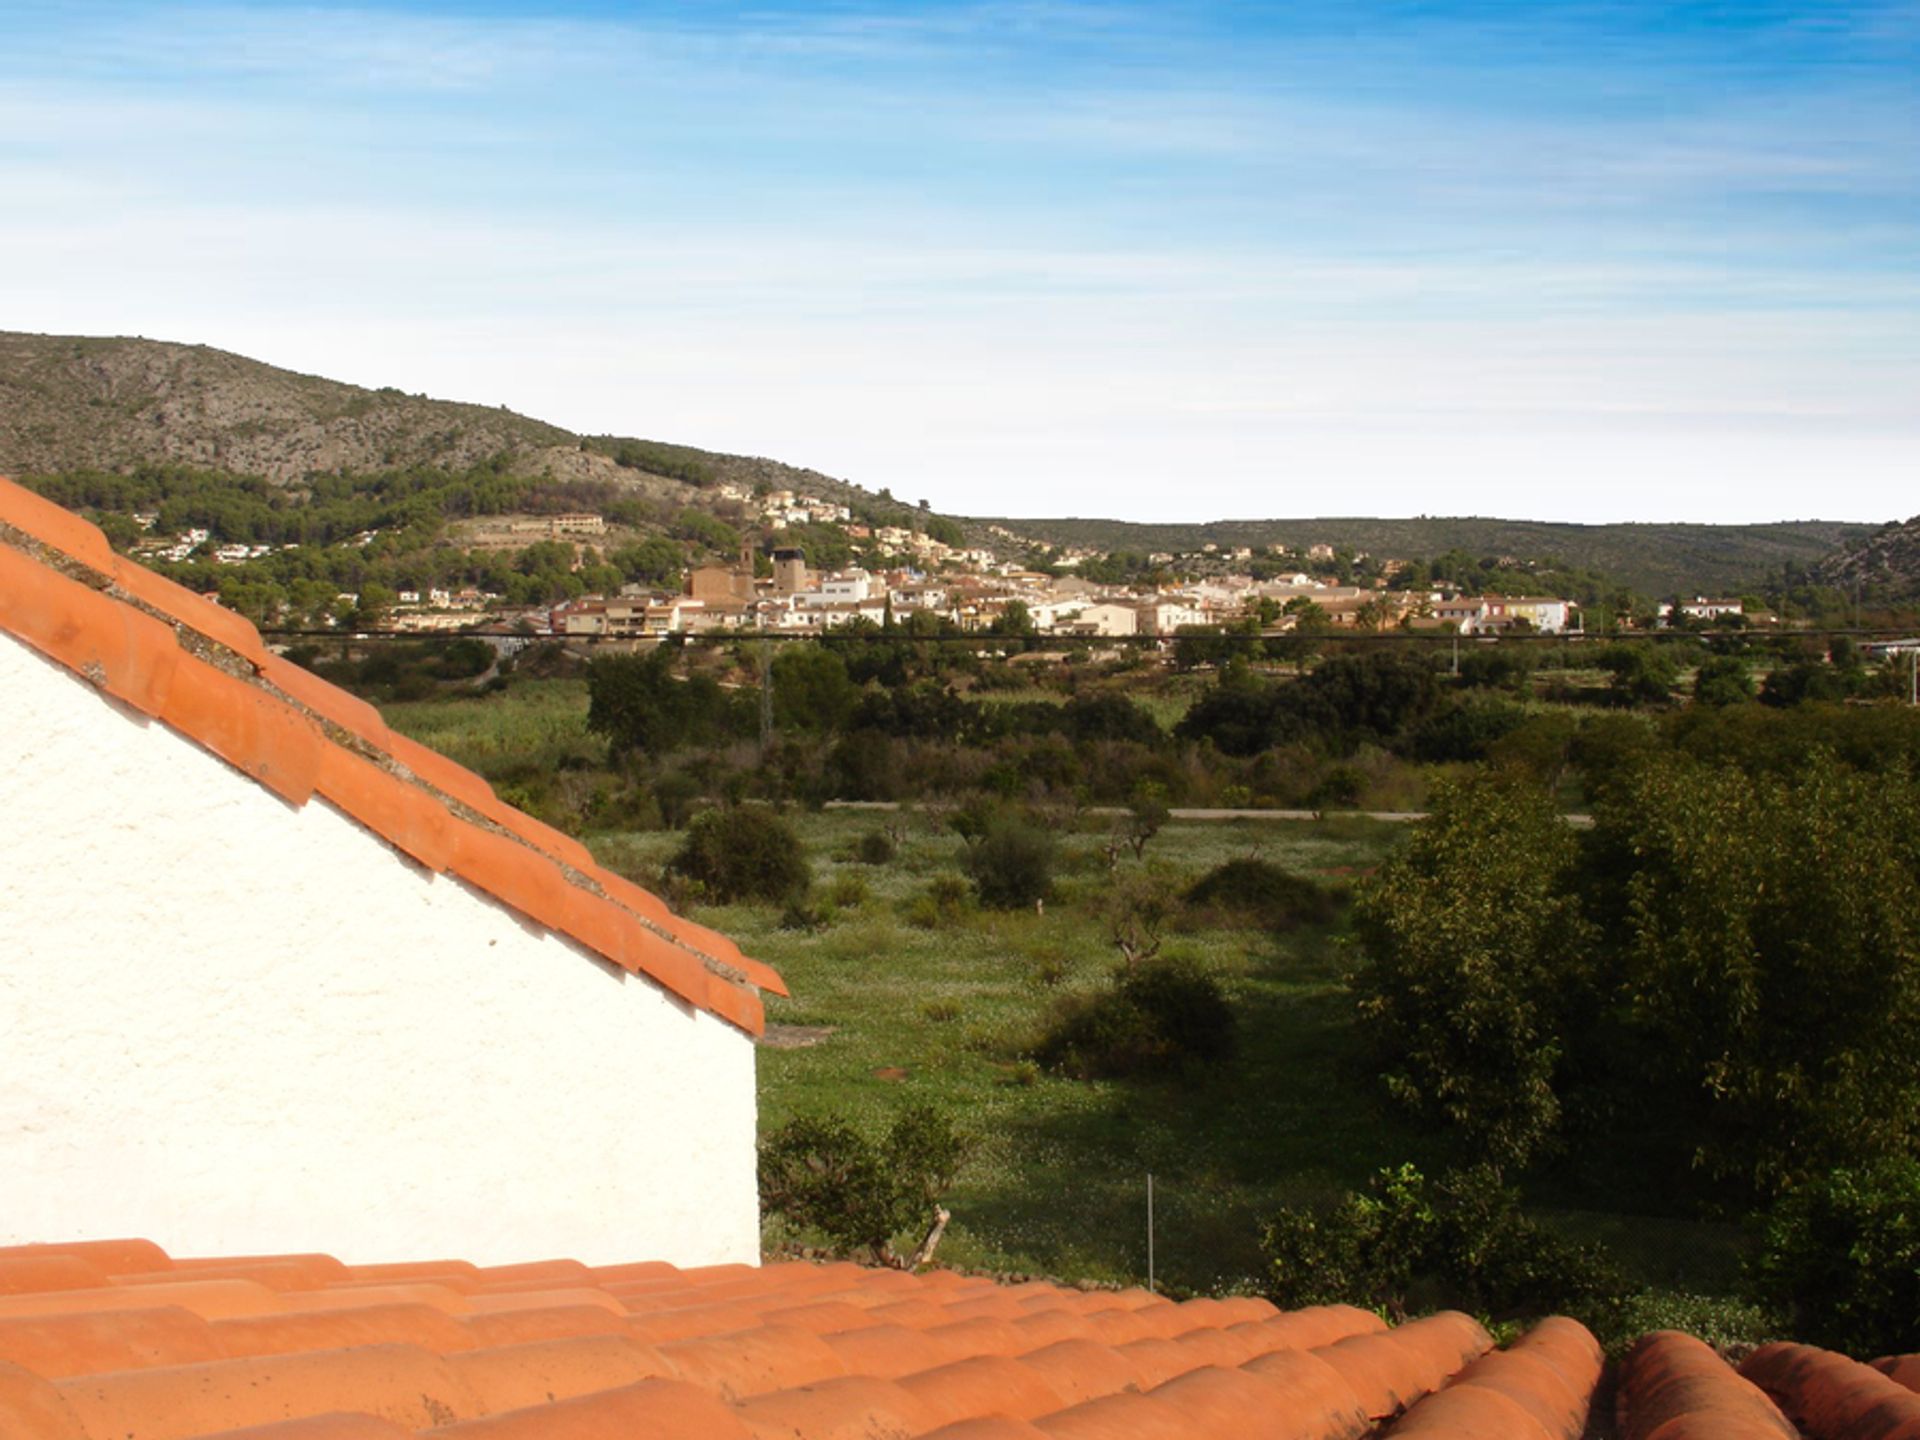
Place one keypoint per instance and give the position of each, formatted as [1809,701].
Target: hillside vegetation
[1652,559]
[73,403]
[1883,565]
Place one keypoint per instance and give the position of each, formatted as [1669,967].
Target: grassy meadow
[895,1011]
[892,1005]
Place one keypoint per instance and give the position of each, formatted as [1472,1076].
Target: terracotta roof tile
[890,1351]
[406,1384]
[56,1346]
[991,1427]
[984,1385]
[512,1377]
[853,1407]
[650,1410]
[320,1427]
[551,1350]
[747,1363]
[1121,1417]
[1675,1387]
[1901,1369]
[1319,1400]
[109,1257]
[205,672]
[33,1409]
[1043,1327]
[24,1274]
[516,1327]
[340,1329]
[1539,1389]
[209,1299]
[1832,1397]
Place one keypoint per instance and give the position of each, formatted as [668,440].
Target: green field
[1057,1183]
[886,1012]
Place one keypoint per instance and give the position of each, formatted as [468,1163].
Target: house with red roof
[276,978]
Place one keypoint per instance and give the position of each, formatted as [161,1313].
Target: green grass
[542,727]
[1057,1181]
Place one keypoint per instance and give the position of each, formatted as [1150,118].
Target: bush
[822,1174]
[1723,680]
[874,848]
[1261,892]
[746,853]
[798,915]
[849,892]
[1011,863]
[1408,1243]
[1840,1259]
[943,904]
[1165,1016]
[1464,732]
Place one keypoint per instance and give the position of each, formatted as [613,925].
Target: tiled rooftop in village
[205,672]
[116,1340]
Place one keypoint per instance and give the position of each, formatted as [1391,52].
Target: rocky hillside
[69,403]
[75,403]
[1884,564]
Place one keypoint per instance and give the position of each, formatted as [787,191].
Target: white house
[847,587]
[1108,619]
[275,978]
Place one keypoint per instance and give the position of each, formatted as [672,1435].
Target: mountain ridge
[116,403]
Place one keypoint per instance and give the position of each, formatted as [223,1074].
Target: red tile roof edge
[205,672]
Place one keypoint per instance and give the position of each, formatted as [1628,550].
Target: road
[1391,817]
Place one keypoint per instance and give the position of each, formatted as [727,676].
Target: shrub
[821,1173]
[798,915]
[943,903]
[849,892]
[1407,1242]
[1263,893]
[874,848]
[1165,1016]
[1723,680]
[745,853]
[1464,732]
[1840,1259]
[675,793]
[1011,863]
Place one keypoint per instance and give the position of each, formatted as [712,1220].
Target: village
[771,587]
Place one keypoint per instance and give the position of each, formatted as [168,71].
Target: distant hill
[84,403]
[80,403]
[1654,559]
[1884,564]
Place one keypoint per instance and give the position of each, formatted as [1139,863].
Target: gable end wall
[240,1027]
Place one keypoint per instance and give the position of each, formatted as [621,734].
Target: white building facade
[242,1018]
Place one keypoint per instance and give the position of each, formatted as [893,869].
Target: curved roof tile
[551,1350]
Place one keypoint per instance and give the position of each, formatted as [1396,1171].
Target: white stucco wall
[233,1026]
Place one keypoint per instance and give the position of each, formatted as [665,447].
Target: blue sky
[1180,261]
